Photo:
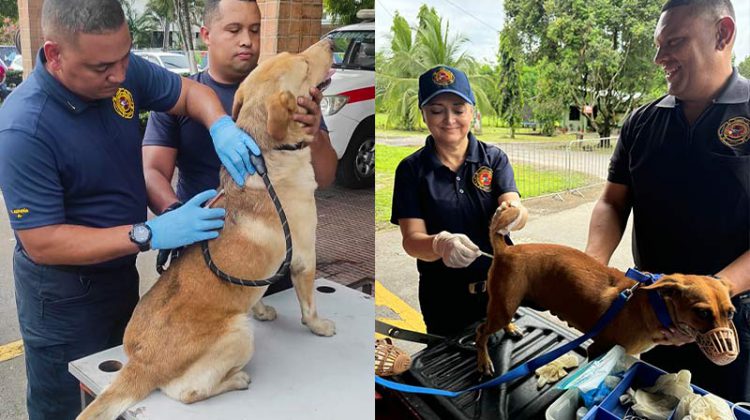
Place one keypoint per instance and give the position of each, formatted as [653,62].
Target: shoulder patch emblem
[735,131]
[483,179]
[443,77]
[20,213]
[123,103]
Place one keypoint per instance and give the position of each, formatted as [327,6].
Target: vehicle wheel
[357,167]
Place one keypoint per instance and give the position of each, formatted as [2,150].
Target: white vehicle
[172,61]
[16,64]
[348,104]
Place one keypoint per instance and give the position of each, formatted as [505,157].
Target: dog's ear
[280,107]
[668,286]
[239,98]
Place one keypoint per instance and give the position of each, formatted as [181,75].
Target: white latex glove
[456,249]
[519,222]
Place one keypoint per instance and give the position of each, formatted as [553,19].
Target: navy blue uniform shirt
[457,202]
[690,184]
[196,157]
[64,160]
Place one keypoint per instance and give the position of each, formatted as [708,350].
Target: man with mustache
[72,178]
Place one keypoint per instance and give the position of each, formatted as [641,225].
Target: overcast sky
[481,20]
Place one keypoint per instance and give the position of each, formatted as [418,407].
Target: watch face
[140,233]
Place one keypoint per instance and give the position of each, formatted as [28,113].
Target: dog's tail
[503,221]
[133,384]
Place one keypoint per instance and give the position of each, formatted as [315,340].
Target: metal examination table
[295,374]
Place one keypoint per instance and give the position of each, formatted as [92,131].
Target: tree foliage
[589,53]
[9,9]
[414,51]
[509,88]
[744,67]
[344,12]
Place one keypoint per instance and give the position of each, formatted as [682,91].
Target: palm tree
[140,26]
[163,12]
[414,51]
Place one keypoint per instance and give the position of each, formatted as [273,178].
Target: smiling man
[682,164]
[72,179]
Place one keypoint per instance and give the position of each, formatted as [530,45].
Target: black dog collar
[292,147]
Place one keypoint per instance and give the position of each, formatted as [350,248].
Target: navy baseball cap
[444,79]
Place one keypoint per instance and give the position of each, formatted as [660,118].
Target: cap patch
[443,77]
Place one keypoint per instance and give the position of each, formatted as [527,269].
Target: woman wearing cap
[444,197]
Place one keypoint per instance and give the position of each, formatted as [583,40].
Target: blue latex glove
[188,224]
[232,145]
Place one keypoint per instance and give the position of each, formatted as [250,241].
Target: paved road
[345,217]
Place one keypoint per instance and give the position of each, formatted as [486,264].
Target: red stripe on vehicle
[358,95]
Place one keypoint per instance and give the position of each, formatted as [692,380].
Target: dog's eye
[704,314]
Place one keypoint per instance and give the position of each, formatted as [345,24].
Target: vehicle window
[364,56]
[151,59]
[342,39]
[175,61]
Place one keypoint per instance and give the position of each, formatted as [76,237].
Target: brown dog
[189,335]
[579,289]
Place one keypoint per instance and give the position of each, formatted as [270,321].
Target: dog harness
[260,167]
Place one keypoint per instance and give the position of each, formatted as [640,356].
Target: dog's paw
[240,380]
[484,365]
[513,331]
[264,312]
[323,327]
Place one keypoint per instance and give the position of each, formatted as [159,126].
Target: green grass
[386,160]
[527,179]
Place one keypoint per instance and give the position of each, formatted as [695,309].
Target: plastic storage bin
[564,408]
[640,375]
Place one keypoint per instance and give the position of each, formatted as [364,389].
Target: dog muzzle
[720,345]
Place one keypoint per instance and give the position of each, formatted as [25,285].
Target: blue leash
[530,366]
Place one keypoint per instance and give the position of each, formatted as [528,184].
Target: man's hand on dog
[456,249]
[187,224]
[234,146]
[310,117]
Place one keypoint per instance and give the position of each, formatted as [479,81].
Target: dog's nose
[330,43]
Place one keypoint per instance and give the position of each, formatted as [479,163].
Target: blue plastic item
[640,375]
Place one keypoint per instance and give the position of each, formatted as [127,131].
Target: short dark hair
[211,10]
[713,8]
[65,17]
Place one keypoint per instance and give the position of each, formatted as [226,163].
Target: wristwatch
[140,235]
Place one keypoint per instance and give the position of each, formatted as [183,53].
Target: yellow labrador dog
[190,335]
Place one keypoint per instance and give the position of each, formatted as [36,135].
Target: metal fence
[553,168]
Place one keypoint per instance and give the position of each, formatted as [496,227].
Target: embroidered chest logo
[20,213]
[483,179]
[443,77]
[735,131]
[123,103]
